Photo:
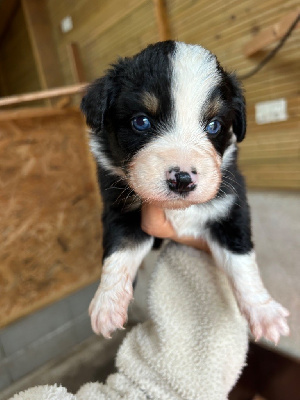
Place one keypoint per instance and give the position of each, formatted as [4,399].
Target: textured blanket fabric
[45,392]
[192,347]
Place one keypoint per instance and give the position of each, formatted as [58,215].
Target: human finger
[155,223]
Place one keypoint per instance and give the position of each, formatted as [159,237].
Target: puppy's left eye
[141,123]
[213,128]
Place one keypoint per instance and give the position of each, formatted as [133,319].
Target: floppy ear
[239,123]
[96,101]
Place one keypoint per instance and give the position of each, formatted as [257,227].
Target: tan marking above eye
[212,108]
[151,102]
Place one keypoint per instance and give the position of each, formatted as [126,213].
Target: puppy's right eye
[141,123]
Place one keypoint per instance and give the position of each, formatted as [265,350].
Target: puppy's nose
[180,181]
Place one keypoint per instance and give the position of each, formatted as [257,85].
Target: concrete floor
[91,361]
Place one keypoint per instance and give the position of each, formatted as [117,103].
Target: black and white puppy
[164,126]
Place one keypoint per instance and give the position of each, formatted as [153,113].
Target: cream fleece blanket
[192,347]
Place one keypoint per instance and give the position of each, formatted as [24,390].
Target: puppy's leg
[124,245]
[266,317]
[108,309]
[232,248]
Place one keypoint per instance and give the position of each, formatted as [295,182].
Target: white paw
[268,320]
[108,309]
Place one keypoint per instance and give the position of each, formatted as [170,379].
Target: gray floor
[276,229]
[91,361]
[46,334]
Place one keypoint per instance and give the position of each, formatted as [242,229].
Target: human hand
[155,223]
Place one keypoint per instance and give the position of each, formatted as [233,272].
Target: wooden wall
[104,30]
[107,29]
[17,67]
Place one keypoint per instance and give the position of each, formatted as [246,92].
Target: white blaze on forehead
[195,75]
[183,142]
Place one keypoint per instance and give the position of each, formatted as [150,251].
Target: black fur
[121,228]
[234,232]
[113,100]
[109,105]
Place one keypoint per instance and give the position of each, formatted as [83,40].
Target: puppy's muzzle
[181,182]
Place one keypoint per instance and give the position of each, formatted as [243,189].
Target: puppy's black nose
[180,182]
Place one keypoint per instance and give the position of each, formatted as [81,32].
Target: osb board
[18,70]
[270,154]
[49,212]
[104,30]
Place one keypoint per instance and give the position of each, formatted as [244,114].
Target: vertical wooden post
[3,90]
[76,63]
[43,46]
[7,9]
[163,23]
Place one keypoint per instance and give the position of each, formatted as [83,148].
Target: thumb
[155,223]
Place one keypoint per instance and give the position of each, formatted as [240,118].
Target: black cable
[272,53]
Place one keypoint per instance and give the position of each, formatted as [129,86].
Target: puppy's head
[167,120]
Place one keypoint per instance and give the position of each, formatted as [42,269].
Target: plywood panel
[49,212]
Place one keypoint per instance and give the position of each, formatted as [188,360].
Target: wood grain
[271,34]
[18,70]
[76,63]
[39,28]
[7,9]
[104,31]
[162,19]
[43,94]
[50,212]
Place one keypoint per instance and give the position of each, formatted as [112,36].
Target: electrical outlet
[271,111]
[66,24]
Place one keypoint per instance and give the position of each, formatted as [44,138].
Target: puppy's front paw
[108,309]
[268,320]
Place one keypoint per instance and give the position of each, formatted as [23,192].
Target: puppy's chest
[193,221]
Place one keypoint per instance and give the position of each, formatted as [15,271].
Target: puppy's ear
[97,100]
[239,123]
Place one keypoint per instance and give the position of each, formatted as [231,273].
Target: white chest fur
[192,221]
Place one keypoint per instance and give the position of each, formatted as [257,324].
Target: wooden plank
[162,20]
[76,63]
[35,112]
[17,60]
[45,94]
[271,34]
[7,9]
[44,50]
[104,31]
[3,87]
[111,14]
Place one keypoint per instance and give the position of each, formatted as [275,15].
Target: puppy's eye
[213,128]
[141,123]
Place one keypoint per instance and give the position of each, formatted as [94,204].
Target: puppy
[164,127]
